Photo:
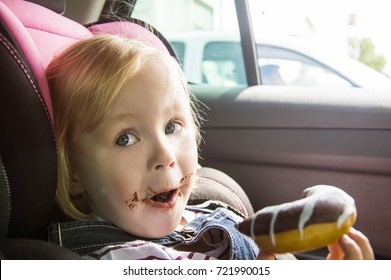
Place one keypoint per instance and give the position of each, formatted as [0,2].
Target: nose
[163,154]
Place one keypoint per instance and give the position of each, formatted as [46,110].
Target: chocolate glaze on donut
[321,204]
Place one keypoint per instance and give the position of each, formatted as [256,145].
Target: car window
[222,64]
[323,43]
[280,66]
[296,46]
[204,59]
[179,48]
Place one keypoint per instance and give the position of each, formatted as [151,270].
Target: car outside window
[297,44]
[323,43]
[180,49]
[280,66]
[222,64]
[204,61]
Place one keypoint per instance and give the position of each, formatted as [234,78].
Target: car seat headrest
[134,29]
[27,147]
[28,40]
[38,38]
[49,31]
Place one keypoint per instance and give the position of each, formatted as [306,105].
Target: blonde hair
[84,80]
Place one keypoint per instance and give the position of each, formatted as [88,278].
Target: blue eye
[126,139]
[172,127]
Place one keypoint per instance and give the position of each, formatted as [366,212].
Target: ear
[78,193]
[76,187]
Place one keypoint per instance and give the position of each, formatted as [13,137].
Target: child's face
[137,167]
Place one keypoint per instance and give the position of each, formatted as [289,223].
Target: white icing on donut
[272,225]
[311,196]
[305,215]
[349,209]
[274,210]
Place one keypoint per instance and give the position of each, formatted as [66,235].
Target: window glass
[323,43]
[204,35]
[223,64]
[179,48]
[280,66]
[300,43]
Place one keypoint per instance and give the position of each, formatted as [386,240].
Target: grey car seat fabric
[216,185]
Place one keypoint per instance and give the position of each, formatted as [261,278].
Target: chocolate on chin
[321,217]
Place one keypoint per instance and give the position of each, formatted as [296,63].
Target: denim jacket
[84,237]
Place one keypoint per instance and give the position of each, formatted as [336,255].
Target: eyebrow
[118,117]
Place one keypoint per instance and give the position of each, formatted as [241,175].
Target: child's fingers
[335,252]
[350,248]
[265,255]
[363,242]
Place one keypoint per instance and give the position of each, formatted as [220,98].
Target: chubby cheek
[122,183]
[106,186]
[133,201]
[187,154]
[188,188]
[116,204]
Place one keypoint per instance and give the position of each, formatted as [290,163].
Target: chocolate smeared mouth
[163,197]
[187,177]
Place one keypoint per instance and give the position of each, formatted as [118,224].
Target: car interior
[277,141]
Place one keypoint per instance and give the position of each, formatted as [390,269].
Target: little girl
[127,134]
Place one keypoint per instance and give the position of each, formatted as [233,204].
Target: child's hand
[265,255]
[352,246]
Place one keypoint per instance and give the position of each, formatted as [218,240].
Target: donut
[321,217]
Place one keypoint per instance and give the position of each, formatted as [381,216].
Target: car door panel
[276,142]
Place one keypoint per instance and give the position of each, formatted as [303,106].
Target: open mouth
[164,197]
[168,199]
